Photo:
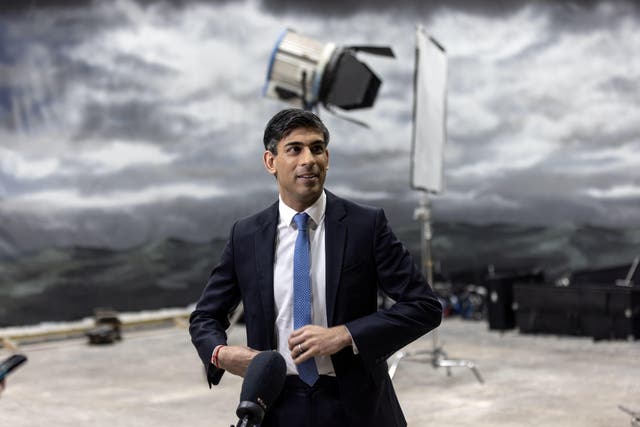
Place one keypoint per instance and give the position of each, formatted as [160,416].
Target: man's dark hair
[286,121]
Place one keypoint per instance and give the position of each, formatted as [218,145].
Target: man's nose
[307,156]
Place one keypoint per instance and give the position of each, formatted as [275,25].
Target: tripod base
[635,416]
[437,357]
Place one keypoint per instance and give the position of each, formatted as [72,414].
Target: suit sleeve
[210,319]
[416,310]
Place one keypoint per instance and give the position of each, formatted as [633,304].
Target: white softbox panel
[429,114]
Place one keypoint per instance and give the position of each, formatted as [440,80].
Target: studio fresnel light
[306,72]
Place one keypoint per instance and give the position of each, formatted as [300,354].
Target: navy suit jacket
[362,255]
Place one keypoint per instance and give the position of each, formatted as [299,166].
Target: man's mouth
[307,176]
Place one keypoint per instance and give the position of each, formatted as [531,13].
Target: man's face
[300,167]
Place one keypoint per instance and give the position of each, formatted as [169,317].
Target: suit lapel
[335,237]
[265,241]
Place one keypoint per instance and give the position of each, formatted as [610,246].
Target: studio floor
[153,378]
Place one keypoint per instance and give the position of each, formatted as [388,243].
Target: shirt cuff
[354,347]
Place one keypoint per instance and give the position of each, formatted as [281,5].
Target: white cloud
[603,159]
[72,199]
[477,36]
[505,157]
[119,155]
[108,158]
[26,168]
[469,116]
[614,192]
[460,196]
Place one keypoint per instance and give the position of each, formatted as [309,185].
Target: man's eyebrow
[316,142]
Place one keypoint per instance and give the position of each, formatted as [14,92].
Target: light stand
[436,356]
[628,280]
[635,416]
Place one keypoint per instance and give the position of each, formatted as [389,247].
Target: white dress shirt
[283,278]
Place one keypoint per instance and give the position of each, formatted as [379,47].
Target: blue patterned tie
[307,370]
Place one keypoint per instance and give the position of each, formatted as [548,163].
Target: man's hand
[235,358]
[312,340]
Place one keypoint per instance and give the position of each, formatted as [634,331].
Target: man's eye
[319,149]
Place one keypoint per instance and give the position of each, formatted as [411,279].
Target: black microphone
[11,363]
[262,384]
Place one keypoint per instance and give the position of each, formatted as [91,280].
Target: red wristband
[214,356]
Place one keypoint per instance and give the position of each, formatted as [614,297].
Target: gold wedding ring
[300,348]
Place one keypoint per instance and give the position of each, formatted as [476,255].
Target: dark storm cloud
[495,8]
[621,87]
[44,22]
[139,115]
[592,134]
[539,196]
[341,8]
[31,5]
[544,40]
[129,74]
[133,121]
[374,171]
[571,16]
[35,57]
[492,8]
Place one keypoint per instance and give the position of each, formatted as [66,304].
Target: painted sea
[69,283]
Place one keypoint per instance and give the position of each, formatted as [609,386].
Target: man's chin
[310,195]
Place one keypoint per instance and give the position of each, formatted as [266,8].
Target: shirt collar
[315,211]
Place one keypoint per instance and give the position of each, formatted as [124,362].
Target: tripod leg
[452,363]
[477,374]
[396,361]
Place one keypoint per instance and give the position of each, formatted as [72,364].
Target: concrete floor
[153,378]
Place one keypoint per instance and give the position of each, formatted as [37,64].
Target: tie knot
[301,220]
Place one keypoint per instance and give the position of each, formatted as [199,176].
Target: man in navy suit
[351,254]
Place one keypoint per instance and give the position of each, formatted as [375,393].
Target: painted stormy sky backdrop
[124,122]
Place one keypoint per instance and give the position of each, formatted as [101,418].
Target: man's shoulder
[260,219]
[350,207]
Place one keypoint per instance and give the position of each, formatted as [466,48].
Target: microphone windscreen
[264,379]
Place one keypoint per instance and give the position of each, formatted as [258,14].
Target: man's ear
[268,159]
